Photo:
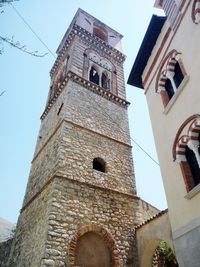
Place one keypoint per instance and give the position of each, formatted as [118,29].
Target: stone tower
[80,205]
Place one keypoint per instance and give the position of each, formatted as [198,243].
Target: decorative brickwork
[166,84]
[196,11]
[101,231]
[190,140]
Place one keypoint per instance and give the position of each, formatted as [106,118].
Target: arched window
[105,82]
[170,76]
[178,74]
[100,71]
[193,164]
[186,151]
[169,88]
[196,12]
[99,165]
[94,76]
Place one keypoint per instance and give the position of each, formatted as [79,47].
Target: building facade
[80,205]
[167,68]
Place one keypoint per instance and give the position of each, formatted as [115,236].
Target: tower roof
[88,22]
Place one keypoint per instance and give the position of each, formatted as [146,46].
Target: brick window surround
[186,151]
[170,77]
[196,11]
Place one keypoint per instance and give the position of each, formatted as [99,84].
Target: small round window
[99,165]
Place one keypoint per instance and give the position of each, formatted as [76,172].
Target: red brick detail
[168,58]
[164,97]
[195,10]
[177,138]
[187,175]
[103,233]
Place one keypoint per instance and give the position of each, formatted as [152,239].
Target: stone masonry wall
[29,242]
[5,252]
[70,153]
[76,205]
[43,167]
[79,147]
[88,109]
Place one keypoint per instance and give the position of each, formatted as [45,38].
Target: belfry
[80,205]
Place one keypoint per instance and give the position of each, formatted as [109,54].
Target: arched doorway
[93,246]
[92,251]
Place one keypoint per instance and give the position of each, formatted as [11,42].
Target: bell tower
[80,204]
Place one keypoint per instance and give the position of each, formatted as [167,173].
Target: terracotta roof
[152,218]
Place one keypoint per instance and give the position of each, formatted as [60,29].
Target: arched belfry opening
[94,75]
[99,165]
[105,81]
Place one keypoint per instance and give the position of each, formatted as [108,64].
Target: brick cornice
[87,84]
[93,42]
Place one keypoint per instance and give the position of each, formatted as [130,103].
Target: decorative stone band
[196,11]
[103,233]
[87,84]
[91,41]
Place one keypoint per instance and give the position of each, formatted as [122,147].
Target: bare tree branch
[17,45]
[2,92]
[3,2]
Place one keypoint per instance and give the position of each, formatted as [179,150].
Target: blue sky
[25,80]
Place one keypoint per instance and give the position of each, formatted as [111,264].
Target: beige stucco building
[167,68]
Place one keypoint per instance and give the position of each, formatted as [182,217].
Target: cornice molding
[87,84]
[93,42]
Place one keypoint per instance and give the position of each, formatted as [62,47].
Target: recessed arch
[103,233]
